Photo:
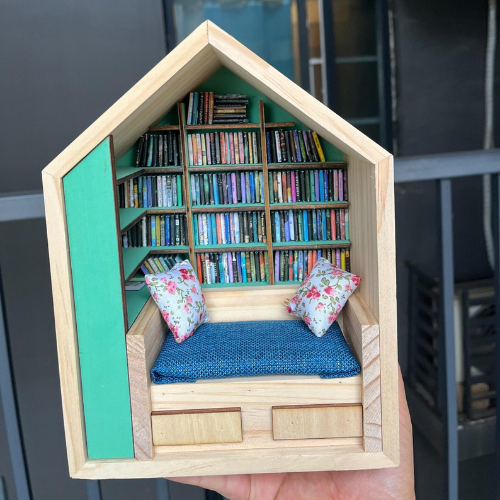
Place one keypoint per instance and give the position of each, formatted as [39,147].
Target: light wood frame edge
[65,323]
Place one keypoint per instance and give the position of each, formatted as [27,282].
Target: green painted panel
[127,215]
[94,248]
[136,300]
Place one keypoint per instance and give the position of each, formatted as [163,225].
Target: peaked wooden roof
[194,60]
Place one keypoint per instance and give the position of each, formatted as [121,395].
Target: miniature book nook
[137,191]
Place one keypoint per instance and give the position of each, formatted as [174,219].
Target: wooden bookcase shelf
[236,207]
[128,217]
[163,128]
[305,166]
[309,205]
[108,337]
[225,167]
[131,216]
[310,245]
[124,174]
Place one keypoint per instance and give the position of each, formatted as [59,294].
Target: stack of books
[227,188]
[224,148]
[290,186]
[148,191]
[310,225]
[296,265]
[232,267]
[293,146]
[207,108]
[229,228]
[158,150]
[161,263]
[157,231]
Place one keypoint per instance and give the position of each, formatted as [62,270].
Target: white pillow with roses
[178,295]
[322,295]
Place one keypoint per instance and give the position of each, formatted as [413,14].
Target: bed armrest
[362,333]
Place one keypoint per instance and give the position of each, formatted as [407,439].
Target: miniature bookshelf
[175,120]
[133,257]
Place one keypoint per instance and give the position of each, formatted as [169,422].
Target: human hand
[395,483]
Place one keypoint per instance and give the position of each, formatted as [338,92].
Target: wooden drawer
[181,427]
[317,421]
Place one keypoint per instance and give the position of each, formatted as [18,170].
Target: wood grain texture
[100,314]
[251,461]
[248,304]
[144,341]
[255,396]
[387,311]
[197,427]
[65,323]
[265,175]
[317,421]
[363,334]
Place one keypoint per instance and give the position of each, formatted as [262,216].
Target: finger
[234,487]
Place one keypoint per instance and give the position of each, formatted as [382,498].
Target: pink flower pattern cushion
[178,295]
[322,295]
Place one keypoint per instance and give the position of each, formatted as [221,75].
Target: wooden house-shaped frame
[120,425]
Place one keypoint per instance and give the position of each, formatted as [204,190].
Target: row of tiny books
[151,191]
[157,231]
[232,267]
[227,188]
[209,108]
[310,225]
[161,263]
[296,265]
[292,186]
[224,148]
[293,146]
[159,150]
[229,228]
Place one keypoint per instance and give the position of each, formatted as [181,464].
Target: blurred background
[420,77]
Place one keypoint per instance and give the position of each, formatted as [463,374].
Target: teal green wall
[93,244]
[224,81]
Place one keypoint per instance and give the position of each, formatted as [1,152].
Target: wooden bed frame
[266,404]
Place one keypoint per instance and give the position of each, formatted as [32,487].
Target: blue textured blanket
[242,349]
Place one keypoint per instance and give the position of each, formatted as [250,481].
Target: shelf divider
[267,207]
[186,184]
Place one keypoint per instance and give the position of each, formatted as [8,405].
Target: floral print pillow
[322,295]
[178,295]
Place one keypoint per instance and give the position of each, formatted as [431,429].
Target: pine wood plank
[103,361]
[363,334]
[173,428]
[270,255]
[65,323]
[144,341]
[317,421]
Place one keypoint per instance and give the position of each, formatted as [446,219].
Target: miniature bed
[118,423]
[263,412]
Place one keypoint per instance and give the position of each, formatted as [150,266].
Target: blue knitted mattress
[243,349]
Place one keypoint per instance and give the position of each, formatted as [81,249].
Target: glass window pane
[354,28]
[264,26]
[356,87]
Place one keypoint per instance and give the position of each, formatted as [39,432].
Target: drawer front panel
[317,421]
[178,427]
